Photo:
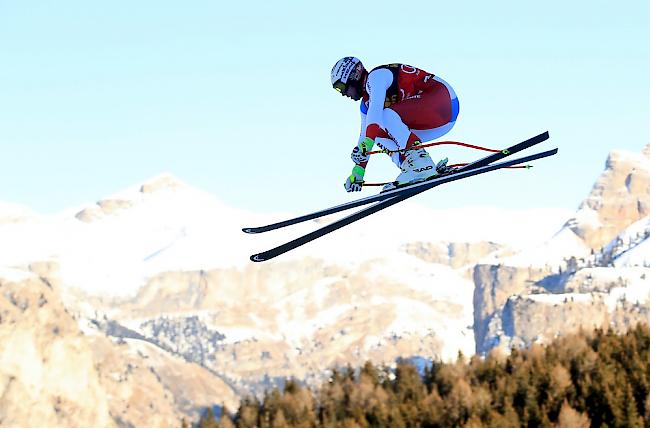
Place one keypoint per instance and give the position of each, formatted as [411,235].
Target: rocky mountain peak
[57,370]
[164,181]
[620,197]
[601,279]
[130,197]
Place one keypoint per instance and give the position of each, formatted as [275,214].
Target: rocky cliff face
[54,371]
[47,370]
[156,286]
[494,285]
[620,197]
[160,293]
[299,319]
[591,273]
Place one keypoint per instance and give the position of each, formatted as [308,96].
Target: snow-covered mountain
[619,197]
[162,270]
[113,246]
[632,246]
[595,271]
[110,247]
[165,265]
[12,213]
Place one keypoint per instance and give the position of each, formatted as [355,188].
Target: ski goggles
[340,87]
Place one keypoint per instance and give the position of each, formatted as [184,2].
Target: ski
[408,192]
[399,191]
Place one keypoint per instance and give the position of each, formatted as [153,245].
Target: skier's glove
[359,153]
[354,183]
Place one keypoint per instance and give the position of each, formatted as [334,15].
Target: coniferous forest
[598,379]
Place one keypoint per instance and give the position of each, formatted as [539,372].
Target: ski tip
[257,258]
[249,230]
[541,137]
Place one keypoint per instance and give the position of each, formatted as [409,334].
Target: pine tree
[570,418]
[559,388]
[474,422]
[225,421]
[507,419]
[458,403]
[647,412]
[279,421]
[248,415]
[599,379]
[297,405]
[271,404]
[631,418]
[370,372]
[432,409]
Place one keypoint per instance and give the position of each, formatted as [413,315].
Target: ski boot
[416,167]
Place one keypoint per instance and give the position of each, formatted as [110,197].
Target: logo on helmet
[343,68]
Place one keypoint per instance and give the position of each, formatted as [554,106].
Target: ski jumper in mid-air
[401,107]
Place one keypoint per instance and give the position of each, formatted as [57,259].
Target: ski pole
[439,143]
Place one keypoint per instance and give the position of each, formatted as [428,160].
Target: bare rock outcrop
[47,371]
[114,205]
[493,286]
[517,306]
[299,319]
[56,372]
[589,298]
[164,181]
[620,197]
[103,208]
[539,318]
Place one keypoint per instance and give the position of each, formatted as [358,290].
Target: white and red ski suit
[402,104]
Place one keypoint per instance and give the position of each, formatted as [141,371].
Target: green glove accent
[357,174]
[366,145]
[354,183]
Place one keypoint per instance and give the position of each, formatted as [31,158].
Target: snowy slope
[165,225]
[350,296]
[14,213]
[174,227]
[632,246]
[550,253]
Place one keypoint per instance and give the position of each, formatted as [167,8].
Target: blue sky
[235,99]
